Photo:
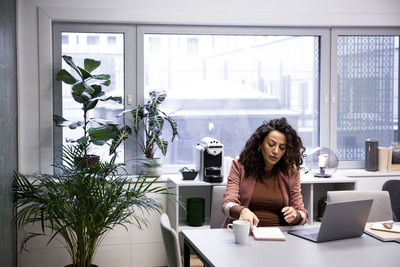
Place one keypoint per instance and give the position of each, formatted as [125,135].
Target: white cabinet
[312,190]
[182,190]
[369,181]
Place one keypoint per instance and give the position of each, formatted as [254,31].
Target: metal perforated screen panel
[366,93]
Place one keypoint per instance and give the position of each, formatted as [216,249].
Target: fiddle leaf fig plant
[148,125]
[87,90]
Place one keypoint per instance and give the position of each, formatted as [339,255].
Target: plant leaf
[71,63]
[174,127]
[138,115]
[156,123]
[106,83]
[117,99]
[162,145]
[102,76]
[61,122]
[83,141]
[99,135]
[91,64]
[77,90]
[66,77]
[85,74]
[122,135]
[157,97]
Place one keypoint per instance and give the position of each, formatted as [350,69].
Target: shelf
[312,189]
[183,225]
[359,173]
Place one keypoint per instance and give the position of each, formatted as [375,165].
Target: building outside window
[224,86]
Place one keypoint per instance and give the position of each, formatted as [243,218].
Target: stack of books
[385,160]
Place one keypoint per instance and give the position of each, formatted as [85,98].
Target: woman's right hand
[248,215]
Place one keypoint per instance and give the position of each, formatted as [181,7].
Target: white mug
[241,230]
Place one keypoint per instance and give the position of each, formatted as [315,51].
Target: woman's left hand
[290,215]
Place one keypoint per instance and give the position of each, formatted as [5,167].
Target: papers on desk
[268,233]
[379,226]
[383,235]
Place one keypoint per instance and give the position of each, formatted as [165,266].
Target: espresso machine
[209,160]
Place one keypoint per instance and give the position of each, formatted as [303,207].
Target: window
[225,85]
[337,87]
[112,57]
[367,72]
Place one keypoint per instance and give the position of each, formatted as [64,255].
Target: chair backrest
[217,216]
[171,242]
[393,187]
[380,210]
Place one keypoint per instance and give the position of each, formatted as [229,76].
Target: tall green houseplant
[82,205]
[87,89]
[148,122]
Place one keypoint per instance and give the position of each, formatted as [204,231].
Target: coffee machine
[209,160]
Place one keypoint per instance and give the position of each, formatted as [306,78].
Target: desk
[216,247]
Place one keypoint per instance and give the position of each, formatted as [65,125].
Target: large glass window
[367,93]
[224,86]
[336,89]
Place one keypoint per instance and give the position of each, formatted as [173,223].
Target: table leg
[186,254]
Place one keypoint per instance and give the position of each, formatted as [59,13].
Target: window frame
[129,32]
[134,71]
[323,33]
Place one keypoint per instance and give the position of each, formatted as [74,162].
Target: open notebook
[268,233]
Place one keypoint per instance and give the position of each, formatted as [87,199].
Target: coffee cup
[241,230]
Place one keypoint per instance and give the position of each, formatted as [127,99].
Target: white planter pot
[153,167]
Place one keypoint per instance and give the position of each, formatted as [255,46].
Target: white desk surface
[304,179]
[218,247]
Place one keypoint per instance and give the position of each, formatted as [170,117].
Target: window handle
[129,100]
[333,99]
[326,99]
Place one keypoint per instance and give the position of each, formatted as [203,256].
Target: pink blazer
[239,190]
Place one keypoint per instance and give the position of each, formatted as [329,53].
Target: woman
[264,183]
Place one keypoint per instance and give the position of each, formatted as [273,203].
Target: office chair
[171,242]
[217,216]
[393,187]
[380,210]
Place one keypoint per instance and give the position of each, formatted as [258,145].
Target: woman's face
[273,148]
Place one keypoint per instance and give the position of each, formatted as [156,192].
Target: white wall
[34,70]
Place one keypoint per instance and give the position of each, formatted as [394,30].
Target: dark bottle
[371,155]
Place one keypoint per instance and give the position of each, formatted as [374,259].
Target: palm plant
[82,205]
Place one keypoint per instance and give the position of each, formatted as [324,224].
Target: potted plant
[82,205]
[87,90]
[148,124]
[188,174]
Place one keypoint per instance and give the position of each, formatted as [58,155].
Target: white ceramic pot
[152,167]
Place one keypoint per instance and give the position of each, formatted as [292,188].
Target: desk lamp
[322,162]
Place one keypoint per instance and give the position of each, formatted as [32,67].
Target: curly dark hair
[251,156]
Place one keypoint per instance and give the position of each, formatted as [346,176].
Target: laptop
[341,220]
